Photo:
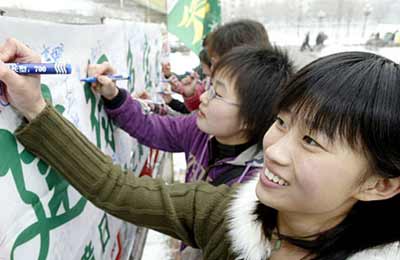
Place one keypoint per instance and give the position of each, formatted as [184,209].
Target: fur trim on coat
[249,242]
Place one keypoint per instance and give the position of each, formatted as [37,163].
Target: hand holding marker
[112,77]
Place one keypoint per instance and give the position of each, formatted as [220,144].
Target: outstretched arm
[193,213]
[190,212]
[166,133]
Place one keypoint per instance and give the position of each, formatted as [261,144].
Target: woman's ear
[378,188]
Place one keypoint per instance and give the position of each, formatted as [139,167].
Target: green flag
[191,20]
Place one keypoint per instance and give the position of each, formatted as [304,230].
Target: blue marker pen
[112,77]
[40,68]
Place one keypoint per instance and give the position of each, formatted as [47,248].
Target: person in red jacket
[192,86]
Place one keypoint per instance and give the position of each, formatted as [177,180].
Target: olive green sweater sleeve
[193,213]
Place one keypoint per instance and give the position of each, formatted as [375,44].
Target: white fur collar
[248,240]
[249,243]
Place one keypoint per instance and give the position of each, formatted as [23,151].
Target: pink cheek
[310,188]
[308,181]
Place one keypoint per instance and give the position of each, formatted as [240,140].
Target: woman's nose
[277,149]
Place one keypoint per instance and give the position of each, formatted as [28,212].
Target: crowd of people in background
[319,42]
[390,39]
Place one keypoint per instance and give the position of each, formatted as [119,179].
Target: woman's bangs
[326,105]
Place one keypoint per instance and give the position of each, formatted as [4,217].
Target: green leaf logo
[194,15]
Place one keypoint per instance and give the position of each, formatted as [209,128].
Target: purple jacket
[181,134]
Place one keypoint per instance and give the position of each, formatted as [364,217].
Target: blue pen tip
[68,67]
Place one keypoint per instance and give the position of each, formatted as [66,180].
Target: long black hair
[354,97]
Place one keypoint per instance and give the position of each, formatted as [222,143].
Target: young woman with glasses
[222,140]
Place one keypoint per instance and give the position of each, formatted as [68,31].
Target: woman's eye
[308,140]
[280,122]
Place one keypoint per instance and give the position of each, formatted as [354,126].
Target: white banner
[41,215]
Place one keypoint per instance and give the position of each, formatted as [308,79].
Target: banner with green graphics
[192,20]
[41,216]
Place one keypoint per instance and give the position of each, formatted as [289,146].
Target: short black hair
[203,56]
[237,33]
[257,74]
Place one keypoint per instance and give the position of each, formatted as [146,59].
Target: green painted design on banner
[104,232]
[139,153]
[46,93]
[59,108]
[146,65]
[108,128]
[131,69]
[88,254]
[90,97]
[42,166]
[191,20]
[11,161]
[96,106]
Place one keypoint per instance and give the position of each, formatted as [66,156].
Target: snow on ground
[157,247]
[392,53]
[303,58]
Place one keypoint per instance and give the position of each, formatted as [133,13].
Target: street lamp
[367,12]
[321,15]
